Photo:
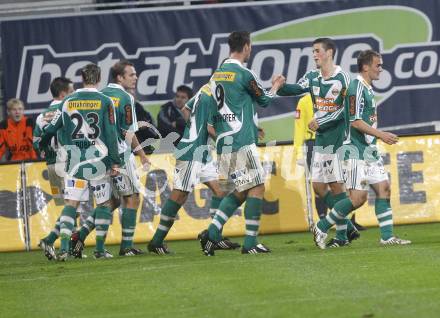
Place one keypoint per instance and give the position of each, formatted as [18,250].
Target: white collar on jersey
[363,81]
[87,89]
[114,85]
[55,102]
[335,72]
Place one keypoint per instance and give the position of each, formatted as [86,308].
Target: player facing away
[193,165]
[88,125]
[235,89]
[126,184]
[363,166]
[327,85]
[60,88]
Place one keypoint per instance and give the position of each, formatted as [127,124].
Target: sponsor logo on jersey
[224,76]
[373,118]
[116,101]
[83,105]
[326,104]
[352,107]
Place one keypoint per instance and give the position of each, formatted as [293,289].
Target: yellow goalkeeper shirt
[303,115]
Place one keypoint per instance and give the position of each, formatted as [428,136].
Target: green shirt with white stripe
[125,114]
[50,150]
[88,124]
[360,105]
[194,142]
[235,89]
[328,96]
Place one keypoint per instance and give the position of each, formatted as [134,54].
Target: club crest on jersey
[316,90]
[335,92]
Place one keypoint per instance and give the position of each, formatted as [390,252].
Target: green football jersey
[125,115]
[88,124]
[194,142]
[360,104]
[50,150]
[235,89]
[328,96]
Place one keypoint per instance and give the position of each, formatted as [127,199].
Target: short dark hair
[238,39]
[366,58]
[327,44]
[59,85]
[91,74]
[185,89]
[119,69]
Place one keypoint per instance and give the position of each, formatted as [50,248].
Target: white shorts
[243,168]
[127,182]
[189,173]
[56,185]
[326,168]
[78,189]
[360,174]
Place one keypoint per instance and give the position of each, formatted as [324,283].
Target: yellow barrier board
[11,224]
[415,181]
[412,164]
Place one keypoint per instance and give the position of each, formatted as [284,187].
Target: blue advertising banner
[184,45]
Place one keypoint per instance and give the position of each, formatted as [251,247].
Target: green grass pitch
[296,280]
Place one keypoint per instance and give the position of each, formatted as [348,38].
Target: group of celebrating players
[88,139]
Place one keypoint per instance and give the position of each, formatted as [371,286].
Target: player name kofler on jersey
[225,117]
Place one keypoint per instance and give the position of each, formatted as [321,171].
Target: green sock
[54,234]
[328,199]
[103,217]
[128,224]
[337,198]
[167,217]
[67,222]
[384,215]
[341,209]
[215,203]
[226,209]
[252,214]
[88,226]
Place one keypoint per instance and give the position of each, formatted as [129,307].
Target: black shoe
[207,245]
[337,243]
[49,250]
[226,244]
[130,251]
[257,249]
[159,249]
[359,227]
[353,235]
[77,246]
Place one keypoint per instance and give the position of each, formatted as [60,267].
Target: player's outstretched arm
[386,137]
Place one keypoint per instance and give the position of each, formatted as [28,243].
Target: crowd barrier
[27,216]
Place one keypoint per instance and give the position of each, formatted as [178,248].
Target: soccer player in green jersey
[363,167]
[127,183]
[87,123]
[60,88]
[327,85]
[235,89]
[193,165]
